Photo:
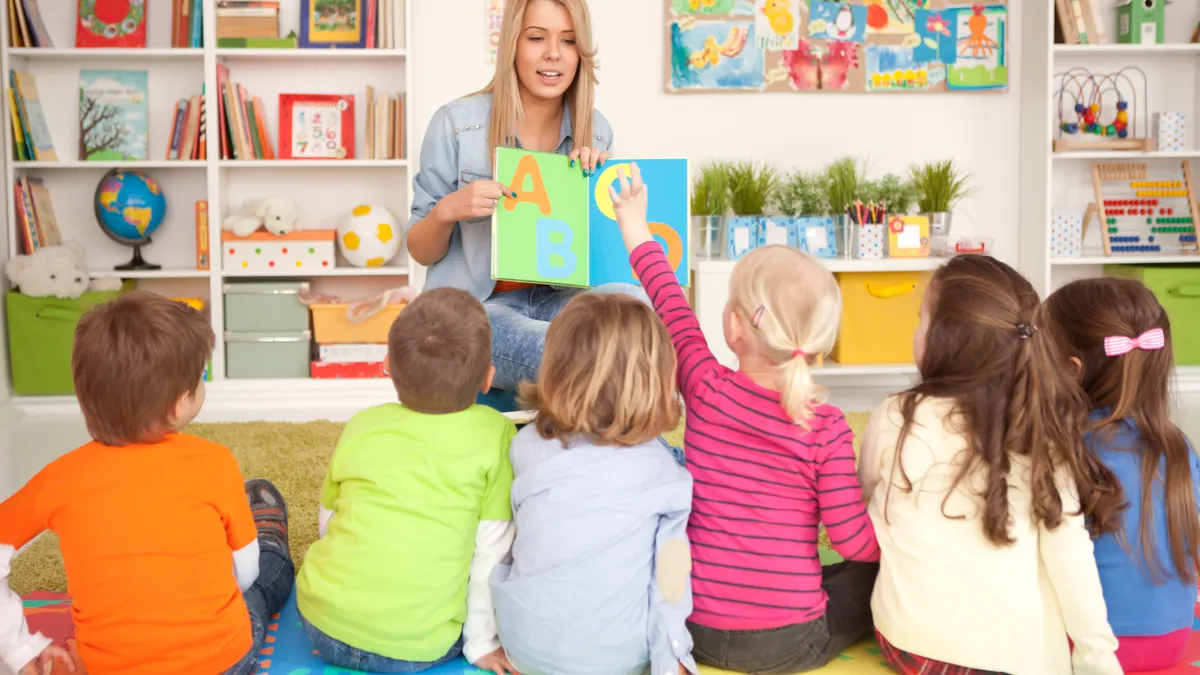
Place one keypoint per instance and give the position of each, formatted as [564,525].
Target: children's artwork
[715,55]
[777,24]
[854,46]
[333,24]
[893,68]
[111,23]
[908,236]
[316,126]
[112,115]
[561,229]
[495,18]
[982,37]
[838,21]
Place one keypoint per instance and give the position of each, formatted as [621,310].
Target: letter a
[528,167]
[546,248]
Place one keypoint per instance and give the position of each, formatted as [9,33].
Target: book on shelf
[187,130]
[248,19]
[113,108]
[25,25]
[111,23]
[187,23]
[349,24]
[35,215]
[242,122]
[202,258]
[29,123]
[385,125]
[1080,22]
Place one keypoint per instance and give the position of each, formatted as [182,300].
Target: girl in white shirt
[978,487]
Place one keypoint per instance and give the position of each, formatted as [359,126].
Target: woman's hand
[477,199]
[589,159]
[629,205]
[496,662]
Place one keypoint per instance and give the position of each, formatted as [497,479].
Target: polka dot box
[299,252]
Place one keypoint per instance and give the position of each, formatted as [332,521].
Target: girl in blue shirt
[1118,338]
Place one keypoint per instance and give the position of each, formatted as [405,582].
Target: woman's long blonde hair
[792,306]
[506,98]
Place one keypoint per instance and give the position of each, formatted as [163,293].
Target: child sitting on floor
[1118,338]
[415,507]
[160,538]
[979,487]
[599,577]
[770,461]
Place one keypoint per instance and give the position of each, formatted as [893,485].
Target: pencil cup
[869,244]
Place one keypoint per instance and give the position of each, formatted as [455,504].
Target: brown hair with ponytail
[1135,386]
[988,350]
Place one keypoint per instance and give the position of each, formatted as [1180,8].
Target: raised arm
[840,496]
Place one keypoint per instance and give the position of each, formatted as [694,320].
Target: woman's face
[547,58]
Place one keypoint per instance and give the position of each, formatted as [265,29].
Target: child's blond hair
[607,374]
[792,307]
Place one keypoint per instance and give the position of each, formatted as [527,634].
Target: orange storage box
[332,324]
[880,313]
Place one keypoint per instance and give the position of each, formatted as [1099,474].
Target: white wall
[790,130]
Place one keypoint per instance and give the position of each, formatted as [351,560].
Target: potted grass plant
[804,198]
[844,180]
[940,187]
[751,187]
[710,204]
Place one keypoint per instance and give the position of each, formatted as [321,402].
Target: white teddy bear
[276,214]
[57,271]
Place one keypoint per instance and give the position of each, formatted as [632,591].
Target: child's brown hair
[607,373]
[134,359]
[440,351]
[988,350]
[1134,386]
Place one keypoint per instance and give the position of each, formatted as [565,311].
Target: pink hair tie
[1151,340]
[800,353]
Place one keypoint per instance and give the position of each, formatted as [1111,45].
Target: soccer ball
[369,237]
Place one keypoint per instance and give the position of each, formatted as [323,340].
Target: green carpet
[293,456]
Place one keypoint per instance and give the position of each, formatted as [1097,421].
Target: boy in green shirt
[415,508]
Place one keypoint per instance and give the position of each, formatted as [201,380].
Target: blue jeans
[519,322]
[270,591]
[342,655]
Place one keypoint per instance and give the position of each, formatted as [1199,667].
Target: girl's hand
[44,663]
[589,159]
[477,199]
[629,205]
[497,662]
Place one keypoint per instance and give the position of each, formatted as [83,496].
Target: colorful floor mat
[288,651]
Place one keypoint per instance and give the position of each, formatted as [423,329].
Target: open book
[561,230]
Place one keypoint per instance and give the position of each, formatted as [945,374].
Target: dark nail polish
[571,164]
[600,164]
[514,195]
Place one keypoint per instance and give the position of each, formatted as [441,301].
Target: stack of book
[385,125]
[242,122]
[25,25]
[1079,22]
[36,223]
[188,138]
[247,19]
[187,24]
[30,135]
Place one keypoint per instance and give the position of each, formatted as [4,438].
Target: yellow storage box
[880,313]
[332,325]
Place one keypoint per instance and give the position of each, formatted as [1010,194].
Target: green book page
[541,236]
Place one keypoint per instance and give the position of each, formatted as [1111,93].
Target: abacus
[1146,212]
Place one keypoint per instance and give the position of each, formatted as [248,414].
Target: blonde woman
[598,583]
[540,98]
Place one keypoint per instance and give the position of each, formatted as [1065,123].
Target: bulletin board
[812,46]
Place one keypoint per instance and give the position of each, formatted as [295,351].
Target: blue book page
[669,215]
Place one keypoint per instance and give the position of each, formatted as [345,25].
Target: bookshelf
[1054,181]
[324,190]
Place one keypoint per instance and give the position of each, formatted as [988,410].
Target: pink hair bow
[1152,339]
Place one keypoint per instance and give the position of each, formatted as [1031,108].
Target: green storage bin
[41,334]
[270,355]
[1178,289]
[265,307]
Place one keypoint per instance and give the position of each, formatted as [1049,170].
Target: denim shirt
[455,153]
[582,594]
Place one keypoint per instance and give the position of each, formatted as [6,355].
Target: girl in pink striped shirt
[769,461]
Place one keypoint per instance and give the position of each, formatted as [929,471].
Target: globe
[130,207]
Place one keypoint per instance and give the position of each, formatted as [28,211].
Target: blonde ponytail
[793,307]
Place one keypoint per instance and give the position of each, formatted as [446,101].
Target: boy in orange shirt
[174,565]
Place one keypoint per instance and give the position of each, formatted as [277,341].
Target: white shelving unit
[325,191]
[1053,181]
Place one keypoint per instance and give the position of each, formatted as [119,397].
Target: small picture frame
[333,24]
[316,126]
